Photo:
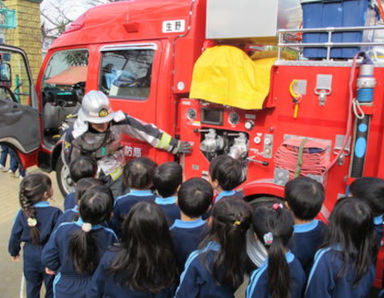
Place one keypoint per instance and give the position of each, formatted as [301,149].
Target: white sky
[71,8]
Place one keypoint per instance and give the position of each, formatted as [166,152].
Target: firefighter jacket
[106,147]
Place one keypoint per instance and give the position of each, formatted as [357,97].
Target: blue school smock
[378,225]
[198,281]
[34,272]
[104,285]
[68,282]
[306,240]
[258,283]
[237,194]
[123,205]
[322,282]
[171,210]
[70,201]
[186,236]
[69,215]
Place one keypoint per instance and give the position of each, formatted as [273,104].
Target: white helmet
[95,108]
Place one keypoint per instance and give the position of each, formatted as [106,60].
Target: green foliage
[77,58]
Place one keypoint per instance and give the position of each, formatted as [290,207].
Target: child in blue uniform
[344,267]
[194,198]
[371,191]
[217,269]
[281,274]
[81,187]
[143,264]
[81,167]
[225,174]
[166,180]
[75,248]
[304,197]
[33,225]
[138,177]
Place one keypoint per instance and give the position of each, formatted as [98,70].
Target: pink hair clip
[277,206]
[268,238]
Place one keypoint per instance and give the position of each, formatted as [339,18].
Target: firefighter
[98,131]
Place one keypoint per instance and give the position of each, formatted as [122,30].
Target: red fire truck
[322,114]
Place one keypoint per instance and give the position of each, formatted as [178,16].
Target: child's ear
[214,183]
[209,221]
[286,205]
[48,194]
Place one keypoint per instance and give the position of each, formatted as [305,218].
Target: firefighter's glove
[184,147]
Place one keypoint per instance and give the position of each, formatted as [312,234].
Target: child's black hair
[145,260]
[194,197]
[138,173]
[231,218]
[95,207]
[82,167]
[32,190]
[84,184]
[167,178]
[351,229]
[227,171]
[304,197]
[273,226]
[370,190]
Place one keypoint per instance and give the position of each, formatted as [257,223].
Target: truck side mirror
[5,74]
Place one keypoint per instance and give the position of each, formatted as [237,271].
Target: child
[304,197]
[225,174]
[14,162]
[281,274]
[81,167]
[371,191]
[344,267]
[138,175]
[217,269]
[144,264]
[81,187]
[194,198]
[33,226]
[74,249]
[166,180]
[256,250]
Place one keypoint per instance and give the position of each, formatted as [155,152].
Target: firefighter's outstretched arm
[151,134]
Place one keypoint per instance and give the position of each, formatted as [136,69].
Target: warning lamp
[130,26]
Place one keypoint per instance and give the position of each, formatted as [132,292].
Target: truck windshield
[65,69]
[62,90]
[126,73]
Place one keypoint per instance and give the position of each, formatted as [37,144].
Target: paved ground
[11,272]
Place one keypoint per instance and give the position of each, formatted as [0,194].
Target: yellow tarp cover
[226,75]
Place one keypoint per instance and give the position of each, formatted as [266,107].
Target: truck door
[128,74]
[19,116]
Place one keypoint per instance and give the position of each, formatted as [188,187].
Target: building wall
[27,35]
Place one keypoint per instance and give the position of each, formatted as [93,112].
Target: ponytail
[32,189]
[231,220]
[95,207]
[83,249]
[273,226]
[30,212]
[278,271]
[231,254]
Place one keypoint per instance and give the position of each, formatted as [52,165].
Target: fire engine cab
[289,87]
